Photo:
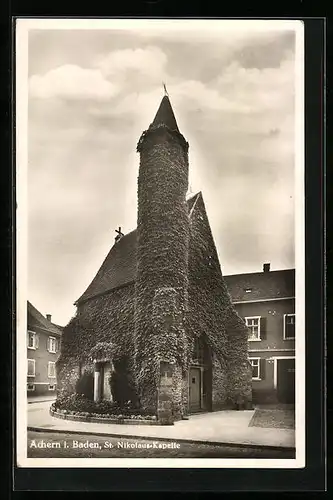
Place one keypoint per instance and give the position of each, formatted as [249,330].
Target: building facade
[43,349]
[157,319]
[266,302]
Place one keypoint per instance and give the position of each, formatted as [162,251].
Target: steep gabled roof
[35,318]
[261,286]
[119,266]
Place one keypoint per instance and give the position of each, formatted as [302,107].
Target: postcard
[160,243]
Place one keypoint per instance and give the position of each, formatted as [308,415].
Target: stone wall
[177,393]
[165,393]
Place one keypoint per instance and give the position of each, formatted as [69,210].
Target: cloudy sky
[91,94]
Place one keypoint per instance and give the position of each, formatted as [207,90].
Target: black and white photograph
[160,243]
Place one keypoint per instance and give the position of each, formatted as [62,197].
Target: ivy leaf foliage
[77,337]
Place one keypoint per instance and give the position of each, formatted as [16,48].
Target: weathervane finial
[165,90]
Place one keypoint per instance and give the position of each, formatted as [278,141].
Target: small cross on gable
[119,234]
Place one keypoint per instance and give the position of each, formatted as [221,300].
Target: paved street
[222,427]
[58,445]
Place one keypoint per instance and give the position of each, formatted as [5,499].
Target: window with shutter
[31,368]
[289,327]
[31,340]
[254,327]
[255,363]
[51,369]
[52,344]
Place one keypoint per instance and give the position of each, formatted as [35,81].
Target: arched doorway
[200,377]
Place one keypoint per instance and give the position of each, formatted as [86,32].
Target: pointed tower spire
[165,115]
[163,123]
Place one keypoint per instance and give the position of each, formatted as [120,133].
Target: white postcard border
[22,29]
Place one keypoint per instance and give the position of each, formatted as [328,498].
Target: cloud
[109,75]
[201,96]
[266,88]
[141,65]
[72,82]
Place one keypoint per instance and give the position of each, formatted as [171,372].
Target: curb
[41,401]
[156,438]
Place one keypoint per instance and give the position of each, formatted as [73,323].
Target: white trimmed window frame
[252,339]
[51,363]
[31,388]
[285,316]
[34,365]
[255,365]
[52,387]
[30,332]
[52,340]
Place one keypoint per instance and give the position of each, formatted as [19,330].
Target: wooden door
[195,389]
[286,380]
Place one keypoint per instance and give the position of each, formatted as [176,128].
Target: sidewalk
[223,427]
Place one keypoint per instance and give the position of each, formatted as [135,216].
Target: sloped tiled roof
[119,266]
[262,285]
[35,318]
[58,326]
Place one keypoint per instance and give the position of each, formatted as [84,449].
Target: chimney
[48,317]
[266,268]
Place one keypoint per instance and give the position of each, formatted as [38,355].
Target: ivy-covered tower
[162,257]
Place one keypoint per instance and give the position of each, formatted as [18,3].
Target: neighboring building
[43,349]
[157,317]
[266,301]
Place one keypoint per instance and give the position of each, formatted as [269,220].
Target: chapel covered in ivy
[156,326]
